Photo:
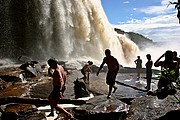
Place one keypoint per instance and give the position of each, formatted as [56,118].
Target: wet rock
[21,112]
[133,70]
[80,89]
[31,69]
[10,71]
[21,90]
[3,84]
[151,108]
[174,114]
[100,107]
[42,89]
[37,115]
[103,116]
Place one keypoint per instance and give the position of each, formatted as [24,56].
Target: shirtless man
[86,70]
[59,79]
[167,66]
[113,67]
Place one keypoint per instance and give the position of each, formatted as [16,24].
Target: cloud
[164,8]
[134,9]
[160,25]
[126,2]
[156,10]
[159,28]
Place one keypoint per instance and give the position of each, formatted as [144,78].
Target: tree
[177,6]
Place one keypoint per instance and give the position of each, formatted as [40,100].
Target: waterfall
[64,29]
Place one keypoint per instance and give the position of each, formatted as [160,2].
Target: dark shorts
[111,76]
[56,92]
[82,71]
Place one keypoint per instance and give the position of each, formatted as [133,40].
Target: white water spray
[63,29]
[80,29]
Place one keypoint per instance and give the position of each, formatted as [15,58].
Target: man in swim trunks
[59,79]
[113,67]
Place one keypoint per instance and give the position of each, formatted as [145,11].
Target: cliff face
[137,38]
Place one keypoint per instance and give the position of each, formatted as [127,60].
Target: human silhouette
[148,65]
[168,69]
[177,59]
[59,80]
[138,63]
[86,71]
[113,67]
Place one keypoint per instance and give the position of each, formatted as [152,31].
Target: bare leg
[110,90]
[138,75]
[62,110]
[52,112]
[52,105]
[115,88]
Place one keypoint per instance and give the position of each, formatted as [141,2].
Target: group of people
[148,65]
[57,72]
[169,65]
[169,68]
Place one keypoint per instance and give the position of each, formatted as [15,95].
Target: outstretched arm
[101,66]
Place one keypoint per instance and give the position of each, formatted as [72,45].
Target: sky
[154,19]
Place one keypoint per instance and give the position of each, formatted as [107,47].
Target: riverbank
[130,97]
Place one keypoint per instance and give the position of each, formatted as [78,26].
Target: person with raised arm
[113,68]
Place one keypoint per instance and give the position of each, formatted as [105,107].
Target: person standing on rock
[59,79]
[138,63]
[113,67]
[148,71]
[86,70]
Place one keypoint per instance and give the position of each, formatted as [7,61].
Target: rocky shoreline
[130,102]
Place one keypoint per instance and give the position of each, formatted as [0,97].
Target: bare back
[111,62]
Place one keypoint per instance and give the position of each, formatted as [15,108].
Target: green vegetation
[167,74]
[177,6]
[140,40]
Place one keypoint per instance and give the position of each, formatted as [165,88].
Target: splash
[129,48]
[64,29]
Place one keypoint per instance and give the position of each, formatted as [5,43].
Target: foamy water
[70,30]
[65,29]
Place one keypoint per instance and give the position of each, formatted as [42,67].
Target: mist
[156,51]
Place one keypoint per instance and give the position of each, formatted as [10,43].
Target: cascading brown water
[64,29]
